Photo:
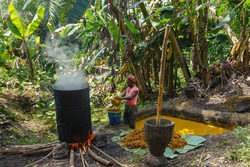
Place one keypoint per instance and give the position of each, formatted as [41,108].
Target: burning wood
[82,144]
[84,162]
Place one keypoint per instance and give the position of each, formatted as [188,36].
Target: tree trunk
[145,14]
[28,60]
[197,52]
[155,71]
[146,66]
[204,43]
[204,53]
[170,76]
[180,57]
[169,70]
[245,60]
[140,81]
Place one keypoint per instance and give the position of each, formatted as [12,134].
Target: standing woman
[130,94]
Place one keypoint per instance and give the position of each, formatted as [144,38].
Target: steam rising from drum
[69,77]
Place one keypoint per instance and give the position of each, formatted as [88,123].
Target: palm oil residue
[136,139]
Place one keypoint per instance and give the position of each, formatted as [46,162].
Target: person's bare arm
[124,93]
[130,97]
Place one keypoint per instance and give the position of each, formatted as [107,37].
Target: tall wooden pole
[162,73]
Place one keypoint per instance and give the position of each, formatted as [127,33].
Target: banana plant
[5,46]
[18,27]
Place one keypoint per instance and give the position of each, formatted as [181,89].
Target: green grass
[222,144]
[136,159]
[29,139]
[242,151]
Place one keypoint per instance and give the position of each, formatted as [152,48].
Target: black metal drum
[73,114]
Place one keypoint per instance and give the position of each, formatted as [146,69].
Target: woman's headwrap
[131,78]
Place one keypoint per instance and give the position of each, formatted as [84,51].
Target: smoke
[69,77]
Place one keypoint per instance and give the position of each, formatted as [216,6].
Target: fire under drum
[73,114]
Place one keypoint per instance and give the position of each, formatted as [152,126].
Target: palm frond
[77,11]
[52,10]
[66,5]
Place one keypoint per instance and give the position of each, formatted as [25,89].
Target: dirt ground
[214,153]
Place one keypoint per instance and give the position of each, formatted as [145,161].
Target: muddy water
[184,127]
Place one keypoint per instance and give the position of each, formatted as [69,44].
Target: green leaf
[115,138]
[246,4]
[221,9]
[141,152]
[224,21]
[77,11]
[205,4]
[43,45]
[113,28]
[133,30]
[37,41]
[136,4]
[124,133]
[17,20]
[193,140]
[7,34]
[142,45]
[98,5]
[89,15]
[102,19]
[1,23]
[163,22]
[5,56]
[14,30]
[35,22]
[94,119]
[131,27]
[165,8]
[169,153]
[186,149]
[69,29]
[95,57]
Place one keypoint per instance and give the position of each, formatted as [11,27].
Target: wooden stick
[26,149]
[162,73]
[32,152]
[84,162]
[97,158]
[39,159]
[20,149]
[97,164]
[72,158]
[108,156]
[11,152]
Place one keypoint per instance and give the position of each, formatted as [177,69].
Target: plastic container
[114,117]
